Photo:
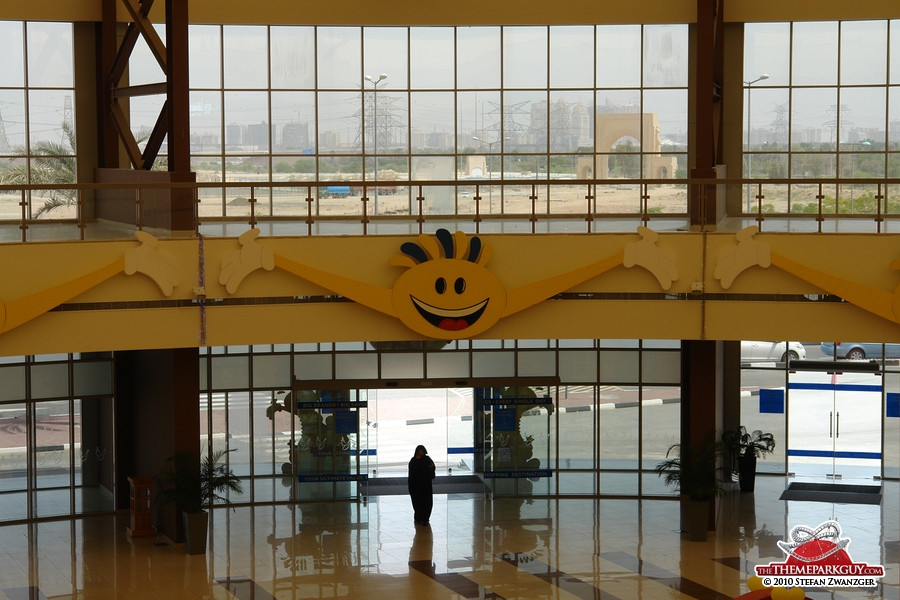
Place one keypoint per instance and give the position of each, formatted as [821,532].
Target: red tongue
[453,324]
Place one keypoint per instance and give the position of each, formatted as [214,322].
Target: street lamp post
[375,81]
[762,77]
[490,146]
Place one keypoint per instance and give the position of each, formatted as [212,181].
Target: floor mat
[833,492]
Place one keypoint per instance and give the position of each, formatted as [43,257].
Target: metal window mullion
[71,405]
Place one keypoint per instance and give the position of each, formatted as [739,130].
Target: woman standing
[421,473]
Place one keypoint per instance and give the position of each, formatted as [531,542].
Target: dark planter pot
[195,531]
[747,472]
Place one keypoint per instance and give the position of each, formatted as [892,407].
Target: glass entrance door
[401,419]
[833,426]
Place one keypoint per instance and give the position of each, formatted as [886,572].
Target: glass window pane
[431,121]
[661,367]
[230,372]
[50,380]
[536,363]
[92,378]
[294,121]
[571,56]
[813,119]
[245,51]
[205,49]
[671,110]
[577,366]
[895,52]
[385,51]
[293,57]
[815,52]
[862,114]
[479,116]
[339,58]
[525,121]
[402,366]
[340,122]
[50,55]
[665,55]
[272,371]
[13,467]
[494,364]
[618,367]
[478,57]
[431,57]
[356,366]
[12,47]
[46,116]
[448,364]
[767,51]
[312,366]
[13,103]
[246,121]
[206,122]
[863,52]
[52,457]
[619,56]
[525,57]
[571,117]
[12,383]
[386,119]
[891,425]
[661,423]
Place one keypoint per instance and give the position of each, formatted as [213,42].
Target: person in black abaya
[421,474]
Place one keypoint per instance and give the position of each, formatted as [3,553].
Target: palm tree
[51,162]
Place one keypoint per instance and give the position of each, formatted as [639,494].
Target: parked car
[860,350]
[757,351]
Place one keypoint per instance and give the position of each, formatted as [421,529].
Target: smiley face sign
[448,292]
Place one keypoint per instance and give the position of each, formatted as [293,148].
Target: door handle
[837,430]
[831,424]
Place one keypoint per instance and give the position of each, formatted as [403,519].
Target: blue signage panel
[893,405]
[518,474]
[771,401]
[325,478]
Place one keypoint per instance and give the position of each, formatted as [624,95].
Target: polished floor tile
[476,547]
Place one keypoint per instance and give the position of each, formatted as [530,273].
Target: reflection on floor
[476,547]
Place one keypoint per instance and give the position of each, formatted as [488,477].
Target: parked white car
[757,351]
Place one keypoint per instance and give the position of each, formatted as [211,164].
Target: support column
[158,415]
[702,378]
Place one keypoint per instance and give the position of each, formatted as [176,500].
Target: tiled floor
[476,547]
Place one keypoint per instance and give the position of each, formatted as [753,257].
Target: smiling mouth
[447,318]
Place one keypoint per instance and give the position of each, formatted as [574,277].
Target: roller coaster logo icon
[818,558]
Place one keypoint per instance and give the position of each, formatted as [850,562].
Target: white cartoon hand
[240,263]
[748,253]
[151,262]
[645,253]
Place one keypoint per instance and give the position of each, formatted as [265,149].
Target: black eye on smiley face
[459,286]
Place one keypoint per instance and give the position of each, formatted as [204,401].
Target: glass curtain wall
[467,104]
[56,436]
[821,100]
[37,122]
[605,427]
[831,424]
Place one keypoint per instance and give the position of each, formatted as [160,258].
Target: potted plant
[192,490]
[745,448]
[695,474]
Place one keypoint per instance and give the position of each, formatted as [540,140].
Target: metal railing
[116,210]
